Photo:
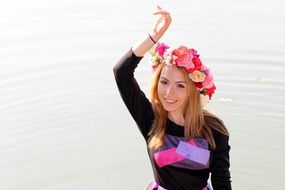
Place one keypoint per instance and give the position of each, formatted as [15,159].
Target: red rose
[211,91]
[199,85]
[197,62]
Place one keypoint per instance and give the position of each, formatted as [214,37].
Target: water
[63,124]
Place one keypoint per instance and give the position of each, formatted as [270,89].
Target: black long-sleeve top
[173,167]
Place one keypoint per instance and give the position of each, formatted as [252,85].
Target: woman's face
[172,89]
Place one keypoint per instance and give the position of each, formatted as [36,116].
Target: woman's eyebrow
[164,78]
[182,81]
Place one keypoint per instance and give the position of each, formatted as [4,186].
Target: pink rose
[185,61]
[184,57]
[208,82]
[161,48]
[194,53]
[181,51]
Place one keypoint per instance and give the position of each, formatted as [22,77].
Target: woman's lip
[170,101]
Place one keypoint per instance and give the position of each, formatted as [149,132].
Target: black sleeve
[220,174]
[135,100]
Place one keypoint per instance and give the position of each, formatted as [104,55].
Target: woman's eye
[181,86]
[163,82]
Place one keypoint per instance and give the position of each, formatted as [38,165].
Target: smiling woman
[185,142]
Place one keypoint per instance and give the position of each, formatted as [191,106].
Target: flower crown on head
[188,59]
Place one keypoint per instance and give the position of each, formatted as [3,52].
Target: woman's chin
[169,108]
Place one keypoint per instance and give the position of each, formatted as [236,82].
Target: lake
[63,124]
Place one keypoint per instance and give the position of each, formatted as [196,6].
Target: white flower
[204,99]
[155,59]
[167,56]
[197,76]
[167,53]
[174,59]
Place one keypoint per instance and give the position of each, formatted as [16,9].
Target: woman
[185,142]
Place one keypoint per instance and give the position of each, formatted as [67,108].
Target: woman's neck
[177,118]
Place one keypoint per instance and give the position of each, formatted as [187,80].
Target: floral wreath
[188,59]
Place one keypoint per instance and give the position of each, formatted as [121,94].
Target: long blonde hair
[198,122]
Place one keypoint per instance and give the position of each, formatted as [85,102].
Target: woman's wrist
[142,47]
[154,36]
[150,37]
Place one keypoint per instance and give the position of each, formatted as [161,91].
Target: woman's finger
[159,7]
[161,12]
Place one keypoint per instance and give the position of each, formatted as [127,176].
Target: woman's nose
[169,90]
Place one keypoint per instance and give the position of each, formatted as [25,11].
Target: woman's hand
[162,23]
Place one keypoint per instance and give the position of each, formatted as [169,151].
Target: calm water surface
[63,124]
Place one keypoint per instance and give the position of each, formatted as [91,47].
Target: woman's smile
[170,101]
